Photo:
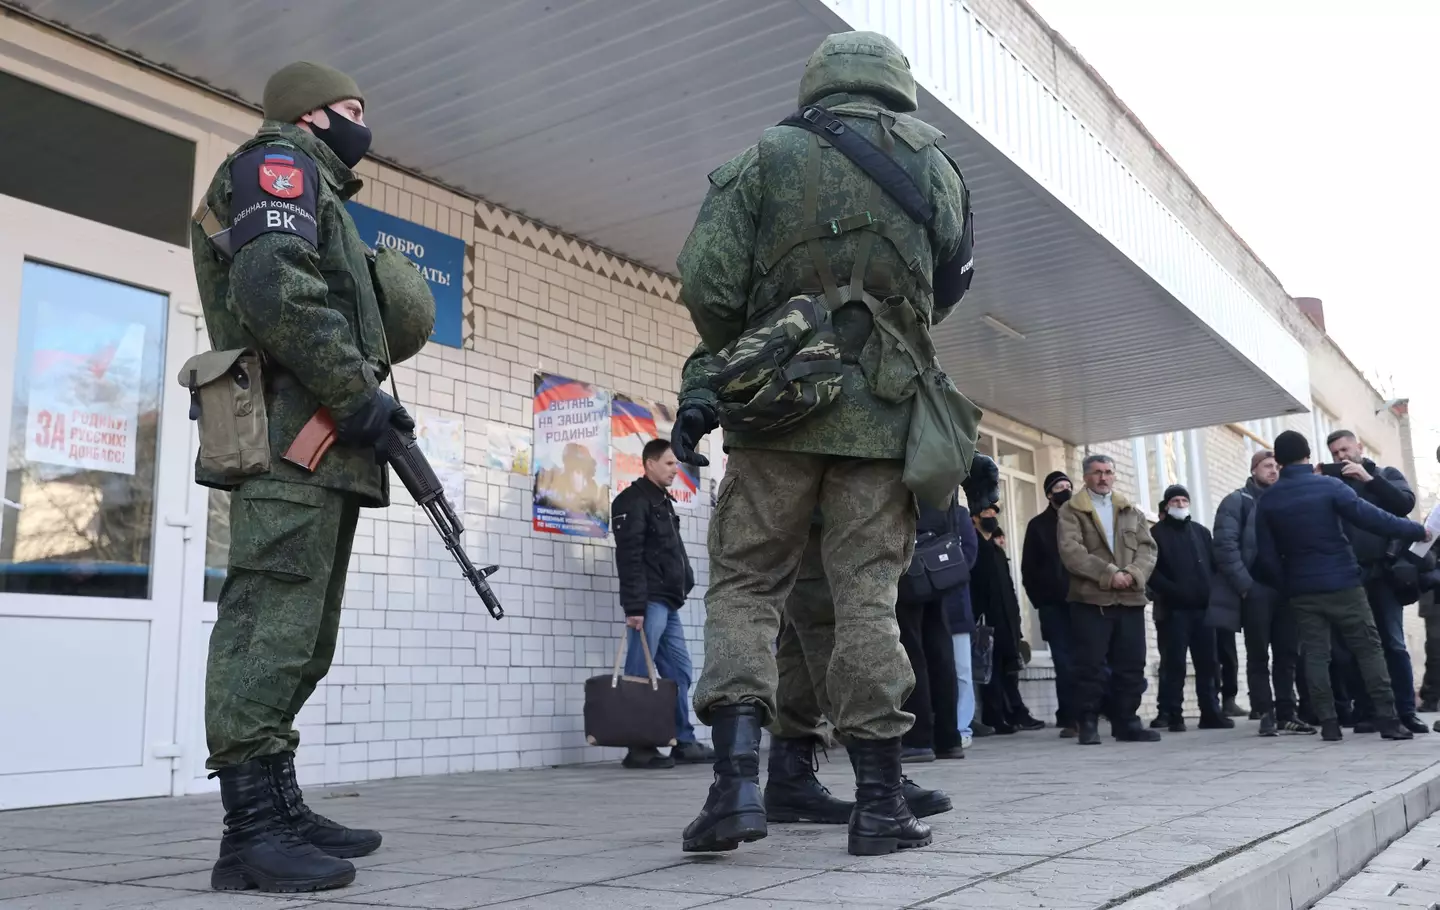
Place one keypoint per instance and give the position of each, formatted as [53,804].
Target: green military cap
[302,87]
[862,62]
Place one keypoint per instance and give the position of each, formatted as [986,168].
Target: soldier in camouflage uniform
[290,278]
[785,217]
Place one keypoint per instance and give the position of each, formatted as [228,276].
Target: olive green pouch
[227,403]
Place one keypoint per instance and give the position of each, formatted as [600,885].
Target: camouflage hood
[861,63]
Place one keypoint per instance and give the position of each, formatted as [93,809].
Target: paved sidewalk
[1406,876]
[1041,824]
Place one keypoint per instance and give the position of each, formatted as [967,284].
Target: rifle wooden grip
[312,442]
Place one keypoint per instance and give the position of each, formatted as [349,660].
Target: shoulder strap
[879,166]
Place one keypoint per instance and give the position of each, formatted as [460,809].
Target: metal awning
[601,118]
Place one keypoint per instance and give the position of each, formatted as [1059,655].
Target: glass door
[94,536]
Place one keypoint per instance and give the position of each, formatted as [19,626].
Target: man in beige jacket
[1105,545]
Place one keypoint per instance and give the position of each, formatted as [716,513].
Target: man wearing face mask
[1181,585]
[282,271]
[1047,583]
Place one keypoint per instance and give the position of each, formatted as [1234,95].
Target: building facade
[546,209]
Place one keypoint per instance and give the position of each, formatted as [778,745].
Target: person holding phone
[1304,553]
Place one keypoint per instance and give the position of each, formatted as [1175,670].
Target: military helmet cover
[407,307]
[301,87]
[861,62]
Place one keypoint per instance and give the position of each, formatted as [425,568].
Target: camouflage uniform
[847,459]
[754,245]
[310,306]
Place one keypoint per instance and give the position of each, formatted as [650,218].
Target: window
[84,433]
[65,154]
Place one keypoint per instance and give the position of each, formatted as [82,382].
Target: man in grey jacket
[1269,623]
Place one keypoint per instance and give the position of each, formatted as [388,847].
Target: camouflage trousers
[758,536]
[278,616]
[807,639]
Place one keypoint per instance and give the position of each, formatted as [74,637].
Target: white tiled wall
[425,681]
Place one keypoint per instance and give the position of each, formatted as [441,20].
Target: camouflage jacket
[755,202]
[299,290]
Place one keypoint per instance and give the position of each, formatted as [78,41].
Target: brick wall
[425,682]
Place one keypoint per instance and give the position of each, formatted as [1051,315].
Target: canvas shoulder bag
[630,711]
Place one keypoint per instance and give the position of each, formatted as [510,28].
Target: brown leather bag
[630,711]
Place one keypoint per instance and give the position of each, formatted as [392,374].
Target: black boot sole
[364,848]
[230,874]
[884,846]
[728,834]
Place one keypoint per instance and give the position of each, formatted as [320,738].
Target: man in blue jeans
[655,579]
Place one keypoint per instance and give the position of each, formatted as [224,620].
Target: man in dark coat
[1304,553]
[1047,583]
[1268,620]
[993,597]
[1181,587]
[1387,489]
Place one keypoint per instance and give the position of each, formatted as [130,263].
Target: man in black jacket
[655,579]
[1047,583]
[1181,587]
[1388,489]
[1268,620]
[995,603]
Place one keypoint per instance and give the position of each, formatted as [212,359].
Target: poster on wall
[571,457]
[438,257]
[507,448]
[635,422]
[84,398]
[442,439]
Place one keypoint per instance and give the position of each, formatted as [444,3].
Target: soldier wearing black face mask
[1047,583]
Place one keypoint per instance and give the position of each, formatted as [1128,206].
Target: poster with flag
[571,458]
[83,405]
[635,422]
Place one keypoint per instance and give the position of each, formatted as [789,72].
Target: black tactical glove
[367,425]
[693,422]
[982,487]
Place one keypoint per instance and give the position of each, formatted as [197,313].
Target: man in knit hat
[1268,621]
[1047,583]
[1302,550]
[282,272]
[1181,589]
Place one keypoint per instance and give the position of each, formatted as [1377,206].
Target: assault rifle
[401,451]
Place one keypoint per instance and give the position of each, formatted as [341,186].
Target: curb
[1296,868]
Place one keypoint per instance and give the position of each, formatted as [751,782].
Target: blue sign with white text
[439,257]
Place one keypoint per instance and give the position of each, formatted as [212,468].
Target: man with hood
[1181,587]
[1272,635]
[794,234]
[283,273]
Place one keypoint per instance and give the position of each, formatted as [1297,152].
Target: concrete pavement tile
[18,838]
[451,894]
[43,861]
[101,897]
[869,887]
[1000,895]
[752,903]
[455,863]
[27,885]
[715,878]
[1024,844]
[560,847]
[580,870]
[1098,880]
[135,870]
[826,858]
[365,881]
[968,865]
[1149,848]
[606,897]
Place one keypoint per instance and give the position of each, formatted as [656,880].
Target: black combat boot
[924,803]
[882,822]
[1331,731]
[734,811]
[1132,731]
[1392,728]
[335,839]
[259,848]
[793,793]
[1089,731]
